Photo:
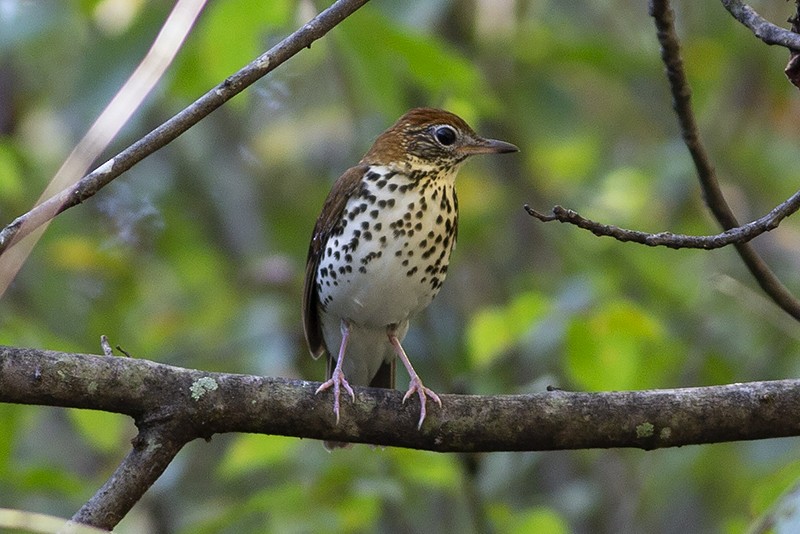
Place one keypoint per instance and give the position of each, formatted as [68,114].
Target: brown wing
[344,188]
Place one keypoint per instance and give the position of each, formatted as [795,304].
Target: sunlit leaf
[773,489]
[219,51]
[563,159]
[493,331]
[784,515]
[251,452]
[538,520]
[48,478]
[11,183]
[79,253]
[625,194]
[10,420]
[371,43]
[105,432]
[425,469]
[618,346]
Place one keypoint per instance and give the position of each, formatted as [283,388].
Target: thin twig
[740,234]
[762,28]
[174,127]
[664,17]
[792,69]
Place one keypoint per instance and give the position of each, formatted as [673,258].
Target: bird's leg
[415,385]
[337,379]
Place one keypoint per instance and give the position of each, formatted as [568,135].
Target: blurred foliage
[195,257]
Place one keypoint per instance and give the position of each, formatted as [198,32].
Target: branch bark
[740,234]
[206,403]
[187,404]
[173,405]
[664,18]
[153,449]
[761,27]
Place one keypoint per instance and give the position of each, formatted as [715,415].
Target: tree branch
[198,404]
[664,17]
[762,28]
[792,70]
[740,234]
[174,127]
[172,406]
[153,449]
[195,404]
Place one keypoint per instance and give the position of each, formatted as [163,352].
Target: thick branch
[172,406]
[681,93]
[203,404]
[762,28]
[740,234]
[174,127]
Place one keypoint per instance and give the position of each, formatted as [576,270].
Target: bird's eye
[446,135]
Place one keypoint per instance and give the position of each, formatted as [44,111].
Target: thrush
[381,247]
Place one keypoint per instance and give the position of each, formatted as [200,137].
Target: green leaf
[385,59]
[625,196]
[10,174]
[565,160]
[254,451]
[534,520]
[494,330]
[230,35]
[620,346]
[425,469]
[49,478]
[540,519]
[784,515]
[10,421]
[773,488]
[105,432]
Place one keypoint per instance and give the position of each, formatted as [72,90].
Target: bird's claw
[416,386]
[337,380]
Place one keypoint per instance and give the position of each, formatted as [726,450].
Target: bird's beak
[487,146]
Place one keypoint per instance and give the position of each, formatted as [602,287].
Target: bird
[380,250]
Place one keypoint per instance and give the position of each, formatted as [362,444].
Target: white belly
[390,258]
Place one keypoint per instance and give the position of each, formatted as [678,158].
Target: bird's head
[431,138]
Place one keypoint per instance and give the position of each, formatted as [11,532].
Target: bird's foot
[338,381]
[416,386]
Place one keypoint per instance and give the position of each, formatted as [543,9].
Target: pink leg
[337,378]
[415,385]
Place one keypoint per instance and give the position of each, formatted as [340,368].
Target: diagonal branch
[740,234]
[174,127]
[153,450]
[664,17]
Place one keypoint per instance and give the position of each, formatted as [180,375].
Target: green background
[195,257]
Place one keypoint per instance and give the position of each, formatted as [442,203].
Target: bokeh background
[195,257]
